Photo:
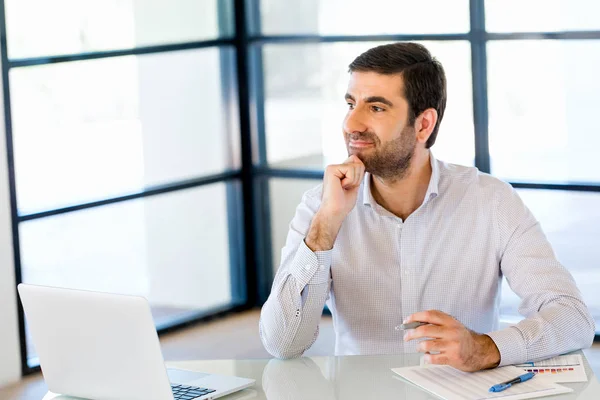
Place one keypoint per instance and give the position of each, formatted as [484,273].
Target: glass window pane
[541,15]
[158,247]
[285,195]
[358,17]
[88,130]
[573,233]
[304,102]
[43,28]
[543,96]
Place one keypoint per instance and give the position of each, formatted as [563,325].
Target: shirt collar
[432,188]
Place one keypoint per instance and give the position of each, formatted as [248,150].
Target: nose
[354,122]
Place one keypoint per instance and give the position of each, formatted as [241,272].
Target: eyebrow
[372,99]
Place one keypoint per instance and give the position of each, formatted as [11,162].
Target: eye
[377,109]
[350,106]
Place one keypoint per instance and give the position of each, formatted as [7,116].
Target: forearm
[290,318]
[323,231]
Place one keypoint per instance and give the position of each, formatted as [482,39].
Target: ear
[425,123]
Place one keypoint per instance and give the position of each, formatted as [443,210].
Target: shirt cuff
[311,267]
[511,345]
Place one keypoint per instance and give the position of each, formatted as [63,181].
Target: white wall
[10,361]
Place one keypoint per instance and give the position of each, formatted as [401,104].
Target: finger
[426,331]
[344,172]
[359,174]
[349,178]
[437,359]
[353,159]
[427,346]
[353,175]
[362,169]
[359,168]
[431,316]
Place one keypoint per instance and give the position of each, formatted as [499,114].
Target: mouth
[360,144]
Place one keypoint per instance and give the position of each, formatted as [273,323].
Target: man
[416,239]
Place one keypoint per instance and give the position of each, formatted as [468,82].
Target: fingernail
[405,321]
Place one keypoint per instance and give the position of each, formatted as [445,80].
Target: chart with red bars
[560,369]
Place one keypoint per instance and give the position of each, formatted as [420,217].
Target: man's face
[376,126]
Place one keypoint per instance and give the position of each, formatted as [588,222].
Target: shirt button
[406,272]
[307,267]
[321,267]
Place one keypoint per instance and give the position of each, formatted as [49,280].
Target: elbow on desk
[591,336]
[278,346]
[587,333]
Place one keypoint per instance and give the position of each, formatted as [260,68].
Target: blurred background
[160,147]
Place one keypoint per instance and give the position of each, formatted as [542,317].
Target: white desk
[339,378]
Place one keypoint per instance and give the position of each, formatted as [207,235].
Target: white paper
[561,369]
[452,384]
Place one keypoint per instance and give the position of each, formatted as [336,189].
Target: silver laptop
[104,347]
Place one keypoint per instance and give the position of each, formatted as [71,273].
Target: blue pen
[505,385]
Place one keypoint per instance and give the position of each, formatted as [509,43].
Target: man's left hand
[457,346]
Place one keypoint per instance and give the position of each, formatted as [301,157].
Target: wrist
[489,351]
[323,232]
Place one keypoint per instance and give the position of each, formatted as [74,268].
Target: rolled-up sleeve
[556,318]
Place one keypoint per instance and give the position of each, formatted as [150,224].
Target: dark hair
[423,76]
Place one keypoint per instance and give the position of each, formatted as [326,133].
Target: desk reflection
[339,378]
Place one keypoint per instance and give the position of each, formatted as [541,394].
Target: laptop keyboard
[184,392]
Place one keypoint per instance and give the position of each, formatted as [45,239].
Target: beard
[390,160]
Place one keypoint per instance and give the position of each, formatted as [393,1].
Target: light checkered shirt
[449,255]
